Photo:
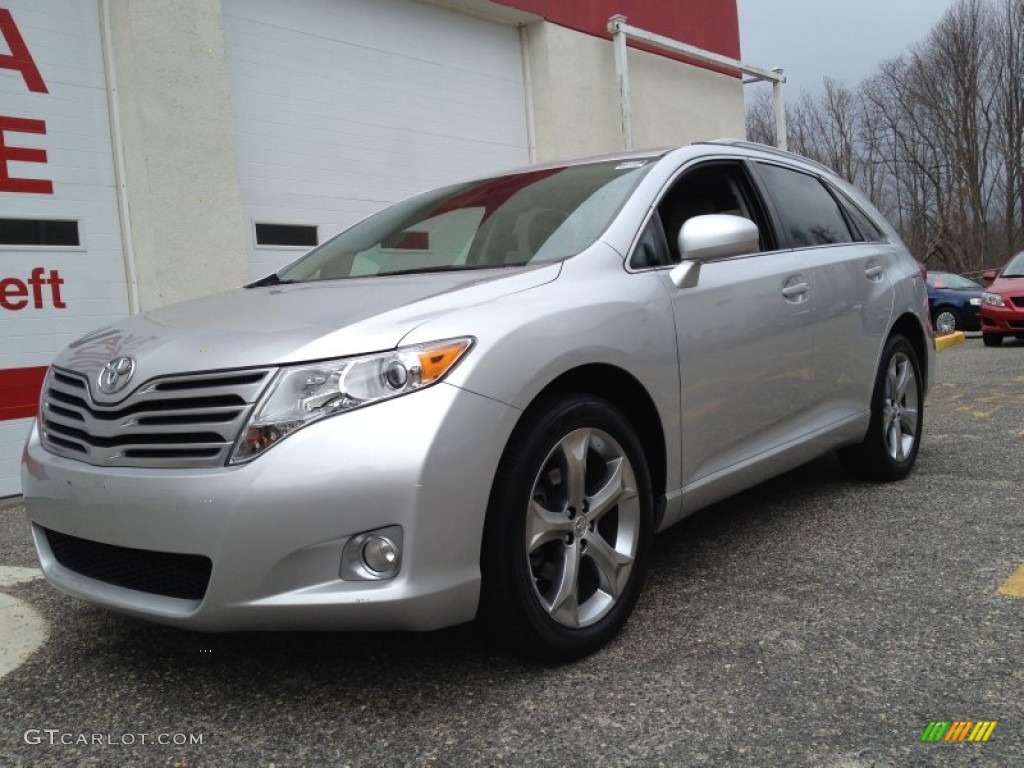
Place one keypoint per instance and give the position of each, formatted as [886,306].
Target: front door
[744,333]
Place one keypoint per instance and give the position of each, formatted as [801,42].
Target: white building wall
[187,227]
[63,39]
[576,103]
[340,108]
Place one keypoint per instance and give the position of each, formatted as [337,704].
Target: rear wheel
[568,531]
[947,320]
[890,447]
[992,339]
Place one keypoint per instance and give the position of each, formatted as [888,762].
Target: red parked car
[1002,304]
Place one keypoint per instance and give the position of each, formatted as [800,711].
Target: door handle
[874,272]
[796,289]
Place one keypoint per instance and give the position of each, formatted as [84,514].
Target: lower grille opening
[170,453]
[158,573]
[66,444]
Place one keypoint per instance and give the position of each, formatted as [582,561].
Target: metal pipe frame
[621,31]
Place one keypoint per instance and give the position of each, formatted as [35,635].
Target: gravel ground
[812,621]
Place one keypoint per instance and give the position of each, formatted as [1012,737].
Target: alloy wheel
[583,527]
[900,409]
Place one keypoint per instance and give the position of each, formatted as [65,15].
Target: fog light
[373,555]
[379,554]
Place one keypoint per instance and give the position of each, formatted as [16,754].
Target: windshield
[1016,266]
[951,281]
[524,218]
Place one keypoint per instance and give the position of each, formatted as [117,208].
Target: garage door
[61,264]
[341,107]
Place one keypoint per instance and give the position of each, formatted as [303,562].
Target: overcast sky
[844,39]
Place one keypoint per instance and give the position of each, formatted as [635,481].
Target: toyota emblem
[116,374]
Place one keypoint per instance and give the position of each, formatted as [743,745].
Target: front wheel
[890,447]
[992,339]
[568,531]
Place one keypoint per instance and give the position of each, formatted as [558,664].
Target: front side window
[711,188]
[533,217]
[810,215]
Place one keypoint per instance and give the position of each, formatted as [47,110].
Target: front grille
[158,573]
[1018,301]
[186,420]
[1016,324]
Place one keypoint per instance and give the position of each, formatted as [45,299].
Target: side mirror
[710,238]
[989,276]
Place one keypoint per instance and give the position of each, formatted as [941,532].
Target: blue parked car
[954,302]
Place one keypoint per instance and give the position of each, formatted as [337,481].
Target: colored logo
[958,730]
[116,374]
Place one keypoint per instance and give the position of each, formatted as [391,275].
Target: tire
[992,339]
[565,553]
[890,448]
[947,320]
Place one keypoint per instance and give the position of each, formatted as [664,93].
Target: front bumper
[1002,320]
[274,528]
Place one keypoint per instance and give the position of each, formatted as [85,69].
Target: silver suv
[483,401]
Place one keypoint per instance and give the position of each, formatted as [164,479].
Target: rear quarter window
[868,230]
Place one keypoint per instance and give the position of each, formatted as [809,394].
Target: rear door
[848,271]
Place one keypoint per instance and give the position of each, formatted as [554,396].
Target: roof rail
[768,149]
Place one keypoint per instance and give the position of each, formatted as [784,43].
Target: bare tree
[761,118]
[1007,75]
[935,137]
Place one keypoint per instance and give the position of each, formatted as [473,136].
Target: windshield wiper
[271,279]
[444,268]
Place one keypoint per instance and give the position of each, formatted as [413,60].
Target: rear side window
[809,214]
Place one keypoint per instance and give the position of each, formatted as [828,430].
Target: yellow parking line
[1014,586]
[950,340]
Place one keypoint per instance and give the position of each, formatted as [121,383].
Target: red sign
[21,61]
[14,293]
[19,387]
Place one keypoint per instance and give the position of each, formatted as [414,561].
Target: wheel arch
[909,326]
[626,393]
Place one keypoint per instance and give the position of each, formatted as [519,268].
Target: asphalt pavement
[811,621]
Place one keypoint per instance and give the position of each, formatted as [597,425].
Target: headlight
[993,298]
[303,394]
[975,302]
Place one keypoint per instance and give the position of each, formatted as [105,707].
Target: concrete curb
[949,340]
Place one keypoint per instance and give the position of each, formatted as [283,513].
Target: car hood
[937,294]
[291,323]
[1007,285]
